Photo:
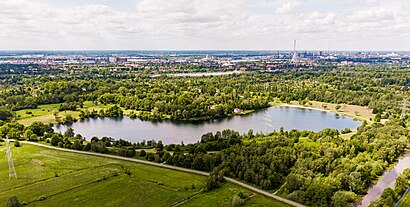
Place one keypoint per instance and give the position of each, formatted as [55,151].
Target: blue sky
[205,24]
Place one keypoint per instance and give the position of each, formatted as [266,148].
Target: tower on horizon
[295,55]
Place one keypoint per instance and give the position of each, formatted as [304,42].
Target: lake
[266,120]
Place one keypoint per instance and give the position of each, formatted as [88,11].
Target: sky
[204,24]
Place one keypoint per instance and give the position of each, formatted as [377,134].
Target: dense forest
[204,98]
[314,168]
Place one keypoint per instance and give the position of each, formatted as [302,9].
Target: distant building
[112,59]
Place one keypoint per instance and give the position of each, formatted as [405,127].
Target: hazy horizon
[195,50]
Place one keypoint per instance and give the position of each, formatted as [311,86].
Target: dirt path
[172,168]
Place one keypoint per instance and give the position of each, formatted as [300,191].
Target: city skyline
[347,25]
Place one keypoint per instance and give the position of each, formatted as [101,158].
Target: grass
[39,111]
[44,113]
[357,112]
[223,197]
[49,177]
[259,200]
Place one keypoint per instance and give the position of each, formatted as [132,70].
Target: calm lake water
[386,181]
[266,120]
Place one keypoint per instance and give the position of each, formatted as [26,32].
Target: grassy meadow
[44,113]
[49,177]
[357,112]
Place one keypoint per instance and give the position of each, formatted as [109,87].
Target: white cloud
[196,24]
[372,15]
[288,7]
[187,17]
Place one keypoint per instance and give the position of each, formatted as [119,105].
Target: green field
[44,113]
[53,178]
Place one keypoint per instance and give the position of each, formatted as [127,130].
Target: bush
[13,202]
[237,201]
[169,148]
[127,171]
[143,153]
[55,139]
[243,195]
[127,152]
[343,198]
[130,152]
[33,138]
[387,199]
[87,147]
[214,181]
[150,157]
[346,130]
[166,156]
[17,143]
[99,146]
[77,145]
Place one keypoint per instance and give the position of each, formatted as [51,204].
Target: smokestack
[295,55]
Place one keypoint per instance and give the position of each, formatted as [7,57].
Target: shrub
[13,202]
[33,138]
[77,145]
[214,181]
[87,147]
[127,171]
[346,130]
[17,143]
[130,152]
[99,146]
[237,201]
[150,157]
[55,139]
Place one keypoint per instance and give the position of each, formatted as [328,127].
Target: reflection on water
[136,130]
[386,181]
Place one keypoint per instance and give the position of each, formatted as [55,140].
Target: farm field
[52,178]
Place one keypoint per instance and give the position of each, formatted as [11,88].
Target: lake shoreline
[360,116]
[261,121]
